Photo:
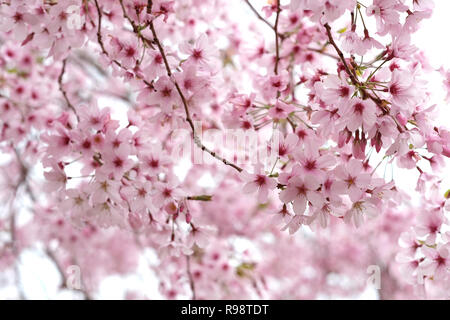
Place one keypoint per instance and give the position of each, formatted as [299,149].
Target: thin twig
[320,51]
[24,175]
[63,91]
[191,280]
[197,140]
[341,55]
[61,272]
[262,19]
[137,28]
[99,35]
[277,46]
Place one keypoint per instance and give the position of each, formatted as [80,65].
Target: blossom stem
[276,161]
[374,71]
[358,7]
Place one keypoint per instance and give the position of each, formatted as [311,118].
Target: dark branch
[63,91]
[197,140]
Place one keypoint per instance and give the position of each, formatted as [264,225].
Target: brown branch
[341,55]
[24,175]
[277,46]
[61,272]
[125,14]
[191,280]
[365,94]
[15,250]
[99,35]
[137,28]
[149,6]
[322,52]
[63,91]
[260,17]
[197,140]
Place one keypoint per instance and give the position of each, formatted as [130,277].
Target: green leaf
[447,194]
[203,197]
[244,268]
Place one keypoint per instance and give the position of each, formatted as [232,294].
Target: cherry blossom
[258,182]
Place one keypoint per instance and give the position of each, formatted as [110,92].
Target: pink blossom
[401,90]
[359,211]
[313,163]
[280,110]
[355,179]
[274,84]
[166,95]
[258,182]
[386,13]
[200,236]
[286,145]
[359,114]
[295,223]
[299,191]
[334,90]
[429,225]
[437,261]
[200,53]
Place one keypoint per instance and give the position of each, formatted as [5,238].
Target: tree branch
[197,140]
[61,272]
[262,19]
[365,94]
[63,91]
[277,46]
[341,55]
[191,280]
[99,35]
